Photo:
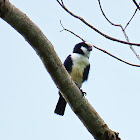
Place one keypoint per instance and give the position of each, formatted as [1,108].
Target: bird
[77,64]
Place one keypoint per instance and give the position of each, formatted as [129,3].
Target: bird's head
[83,48]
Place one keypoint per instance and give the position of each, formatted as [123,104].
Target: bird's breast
[80,62]
[77,73]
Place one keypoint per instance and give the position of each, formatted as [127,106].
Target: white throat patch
[86,52]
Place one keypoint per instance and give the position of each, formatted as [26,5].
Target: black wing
[86,72]
[68,64]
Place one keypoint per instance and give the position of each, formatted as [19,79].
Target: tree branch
[136,4]
[70,31]
[116,57]
[106,16]
[92,27]
[43,47]
[131,19]
[100,48]
[123,29]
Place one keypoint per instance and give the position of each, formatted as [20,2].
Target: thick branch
[92,27]
[34,36]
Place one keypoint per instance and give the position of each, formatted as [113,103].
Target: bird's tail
[61,105]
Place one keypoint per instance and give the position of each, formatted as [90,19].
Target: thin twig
[116,57]
[92,27]
[131,47]
[100,48]
[123,29]
[70,31]
[131,19]
[106,16]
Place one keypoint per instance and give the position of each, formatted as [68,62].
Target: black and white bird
[77,64]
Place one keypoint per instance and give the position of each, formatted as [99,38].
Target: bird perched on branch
[77,64]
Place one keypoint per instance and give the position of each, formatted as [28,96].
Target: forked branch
[123,29]
[92,27]
[99,48]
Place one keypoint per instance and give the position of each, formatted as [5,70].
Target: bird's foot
[83,93]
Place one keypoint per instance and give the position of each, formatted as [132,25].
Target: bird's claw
[83,93]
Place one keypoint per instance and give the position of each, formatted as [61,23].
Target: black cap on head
[77,48]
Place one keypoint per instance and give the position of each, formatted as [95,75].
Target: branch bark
[43,47]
